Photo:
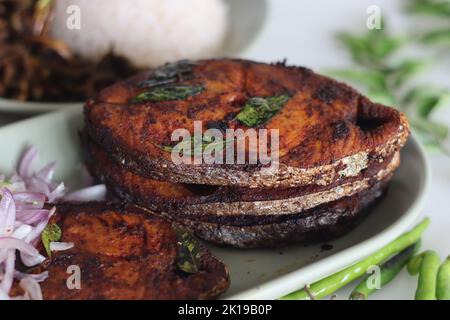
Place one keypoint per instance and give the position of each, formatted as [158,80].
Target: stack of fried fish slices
[337,151]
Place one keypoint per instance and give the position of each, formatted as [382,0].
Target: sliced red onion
[8,276]
[15,178]
[23,219]
[32,216]
[31,260]
[29,255]
[3,255]
[17,224]
[7,213]
[16,186]
[36,184]
[39,277]
[29,200]
[32,288]
[56,193]
[3,295]
[94,193]
[22,231]
[47,172]
[61,246]
[22,246]
[25,165]
[33,236]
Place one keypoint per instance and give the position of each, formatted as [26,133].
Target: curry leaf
[382,95]
[371,48]
[357,46]
[169,73]
[171,92]
[258,110]
[436,145]
[50,234]
[188,257]
[386,81]
[441,36]
[382,46]
[405,70]
[435,130]
[426,99]
[189,146]
[430,7]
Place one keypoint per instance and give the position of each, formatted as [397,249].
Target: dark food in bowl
[35,67]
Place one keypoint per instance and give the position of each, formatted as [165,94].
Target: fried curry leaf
[189,146]
[430,7]
[436,130]
[50,234]
[406,70]
[426,99]
[258,110]
[440,36]
[169,73]
[167,93]
[188,251]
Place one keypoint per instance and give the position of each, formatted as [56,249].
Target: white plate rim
[32,107]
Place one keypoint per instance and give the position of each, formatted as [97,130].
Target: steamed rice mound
[147,32]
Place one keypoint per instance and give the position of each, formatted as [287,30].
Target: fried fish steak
[124,252]
[327,130]
[316,225]
[176,198]
[249,218]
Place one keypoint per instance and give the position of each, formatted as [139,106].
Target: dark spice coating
[324,122]
[320,224]
[125,253]
[178,198]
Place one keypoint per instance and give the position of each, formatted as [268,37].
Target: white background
[303,32]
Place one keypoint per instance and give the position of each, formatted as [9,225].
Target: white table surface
[302,31]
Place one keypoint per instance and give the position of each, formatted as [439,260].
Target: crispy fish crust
[319,224]
[327,130]
[176,198]
[124,252]
[235,217]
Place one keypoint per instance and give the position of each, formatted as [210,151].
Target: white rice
[147,32]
